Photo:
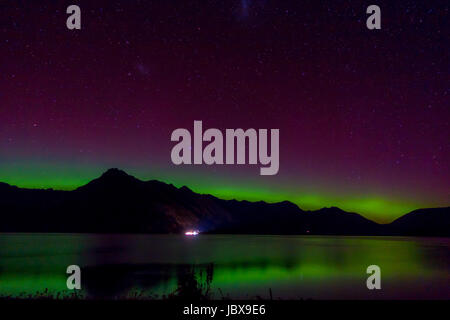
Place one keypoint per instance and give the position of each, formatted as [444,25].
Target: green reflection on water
[293,266]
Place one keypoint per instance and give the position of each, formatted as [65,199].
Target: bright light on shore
[191,233]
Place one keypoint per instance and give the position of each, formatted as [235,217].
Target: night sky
[363,115]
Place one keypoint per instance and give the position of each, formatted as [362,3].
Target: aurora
[363,117]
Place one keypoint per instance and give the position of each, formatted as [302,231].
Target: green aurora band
[377,207]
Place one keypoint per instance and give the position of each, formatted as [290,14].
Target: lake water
[235,266]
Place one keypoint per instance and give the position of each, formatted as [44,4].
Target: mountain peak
[114,173]
[112,178]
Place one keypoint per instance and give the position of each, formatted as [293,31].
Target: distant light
[191,233]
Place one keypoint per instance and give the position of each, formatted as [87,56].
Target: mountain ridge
[117,202]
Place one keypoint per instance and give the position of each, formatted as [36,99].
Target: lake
[231,266]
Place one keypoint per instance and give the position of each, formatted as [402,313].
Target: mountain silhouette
[120,203]
[423,222]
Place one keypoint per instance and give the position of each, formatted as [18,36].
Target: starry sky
[363,114]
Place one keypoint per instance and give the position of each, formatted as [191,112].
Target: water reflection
[292,267]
